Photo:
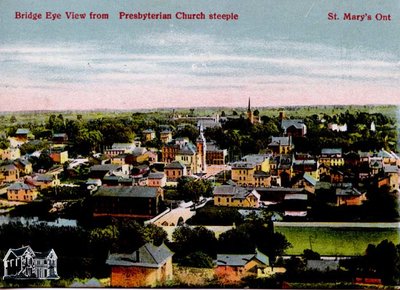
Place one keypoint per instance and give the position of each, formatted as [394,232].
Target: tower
[201,150]
[250,115]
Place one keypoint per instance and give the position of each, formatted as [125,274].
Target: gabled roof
[148,256]
[18,252]
[44,255]
[235,192]
[127,191]
[240,260]
[230,190]
[186,150]
[297,123]
[156,175]
[175,165]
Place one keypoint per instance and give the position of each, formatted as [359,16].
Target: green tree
[4,143]
[311,255]
[188,240]
[385,259]
[198,260]
[154,234]
[191,189]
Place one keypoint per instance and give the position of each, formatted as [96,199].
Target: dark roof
[43,255]
[21,251]
[230,190]
[127,191]
[156,175]
[233,259]
[175,165]
[298,124]
[330,151]
[104,167]
[188,149]
[239,260]
[236,192]
[148,256]
[304,162]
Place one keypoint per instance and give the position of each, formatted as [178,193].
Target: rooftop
[297,123]
[22,131]
[175,165]
[20,185]
[148,256]
[127,191]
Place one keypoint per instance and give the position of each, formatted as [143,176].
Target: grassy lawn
[336,241]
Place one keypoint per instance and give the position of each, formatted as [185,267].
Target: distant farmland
[335,241]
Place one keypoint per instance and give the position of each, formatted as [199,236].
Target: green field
[336,241]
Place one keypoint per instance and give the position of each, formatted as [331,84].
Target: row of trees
[195,246]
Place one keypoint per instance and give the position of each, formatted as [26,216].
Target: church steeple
[250,113]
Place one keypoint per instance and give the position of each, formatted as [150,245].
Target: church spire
[248,108]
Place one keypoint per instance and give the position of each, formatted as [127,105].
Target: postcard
[199,143]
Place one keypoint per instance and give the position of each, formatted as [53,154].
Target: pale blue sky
[279,52]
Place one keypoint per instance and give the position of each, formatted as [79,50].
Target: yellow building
[59,156]
[10,153]
[187,155]
[235,196]
[331,157]
[252,171]
[21,192]
[149,135]
[281,145]
[8,173]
